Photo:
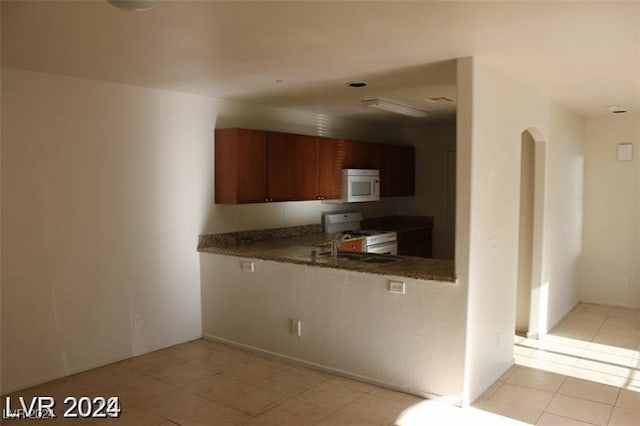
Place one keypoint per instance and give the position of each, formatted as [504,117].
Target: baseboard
[59,375]
[452,399]
[77,370]
[606,303]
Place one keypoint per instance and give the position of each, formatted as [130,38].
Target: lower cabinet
[415,242]
[415,233]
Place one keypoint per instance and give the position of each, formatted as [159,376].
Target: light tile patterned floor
[584,372]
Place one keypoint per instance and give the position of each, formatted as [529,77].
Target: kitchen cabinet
[240,166]
[415,242]
[252,166]
[280,166]
[380,154]
[255,166]
[357,155]
[317,168]
[331,154]
[305,167]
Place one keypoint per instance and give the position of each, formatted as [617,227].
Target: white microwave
[360,185]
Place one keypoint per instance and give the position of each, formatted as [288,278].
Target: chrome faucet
[335,243]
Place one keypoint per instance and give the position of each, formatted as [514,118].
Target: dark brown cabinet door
[240,166]
[331,156]
[416,242]
[380,154]
[357,155]
[279,175]
[305,171]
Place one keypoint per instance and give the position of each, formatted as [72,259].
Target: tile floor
[585,372]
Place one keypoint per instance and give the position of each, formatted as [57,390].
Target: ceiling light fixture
[133,5]
[383,105]
[616,109]
[437,99]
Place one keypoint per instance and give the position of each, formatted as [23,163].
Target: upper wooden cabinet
[252,166]
[255,166]
[280,166]
[305,167]
[240,166]
[318,165]
[330,165]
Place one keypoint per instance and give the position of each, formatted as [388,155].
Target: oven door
[384,248]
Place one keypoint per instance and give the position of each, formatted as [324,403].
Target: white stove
[348,223]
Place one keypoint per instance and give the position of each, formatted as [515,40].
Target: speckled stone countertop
[295,244]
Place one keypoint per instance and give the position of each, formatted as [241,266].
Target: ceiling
[299,55]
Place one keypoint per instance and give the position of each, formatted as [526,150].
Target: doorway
[531,309]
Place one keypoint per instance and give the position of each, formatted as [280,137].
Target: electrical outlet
[499,340]
[624,282]
[396,287]
[247,266]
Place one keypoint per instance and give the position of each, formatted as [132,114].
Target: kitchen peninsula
[263,291]
[297,244]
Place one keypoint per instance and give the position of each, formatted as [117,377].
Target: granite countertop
[295,244]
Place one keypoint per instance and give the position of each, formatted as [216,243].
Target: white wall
[612,211]
[501,109]
[105,189]
[350,322]
[562,239]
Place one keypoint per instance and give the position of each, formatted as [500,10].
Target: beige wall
[612,211]
[563,215]
[105,189]
[501,109]
[350,322]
